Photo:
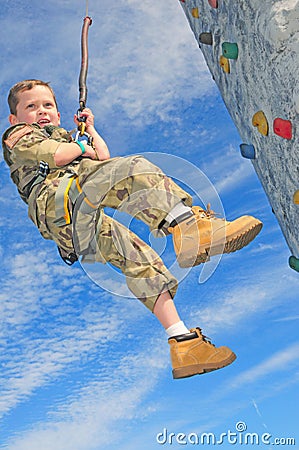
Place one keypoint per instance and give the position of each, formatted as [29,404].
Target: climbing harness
[40,176]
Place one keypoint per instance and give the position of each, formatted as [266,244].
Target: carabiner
[79,137]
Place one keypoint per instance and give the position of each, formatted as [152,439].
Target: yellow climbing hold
[195,13]
[224,63]
[296,198]
[260,121]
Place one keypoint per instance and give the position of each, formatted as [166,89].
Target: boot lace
[205,338]
[205,213]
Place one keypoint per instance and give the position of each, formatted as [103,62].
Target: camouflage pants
[135,186]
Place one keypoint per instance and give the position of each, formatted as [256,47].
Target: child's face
[36,105]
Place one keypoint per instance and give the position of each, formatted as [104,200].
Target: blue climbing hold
[247,151]
[230,50]
[294,263]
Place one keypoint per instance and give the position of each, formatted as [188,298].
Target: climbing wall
[252,50]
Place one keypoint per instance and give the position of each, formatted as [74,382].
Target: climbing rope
[87,21]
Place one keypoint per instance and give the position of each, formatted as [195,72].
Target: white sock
[179,210]
[177,329]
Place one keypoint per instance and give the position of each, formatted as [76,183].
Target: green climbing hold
[247,151]
[206,38]
[294,263]
[230,50]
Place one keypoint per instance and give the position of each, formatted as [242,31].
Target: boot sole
[232,244]
[199,369]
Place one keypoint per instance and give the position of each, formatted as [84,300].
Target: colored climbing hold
[213,3]
[283,128]
[206,38]
[296,198]
[224,63]
[195,13]
[230,50]
[294,263]
[260,121]
[247,151]
[183,1]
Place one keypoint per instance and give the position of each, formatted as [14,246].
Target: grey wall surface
[264,77]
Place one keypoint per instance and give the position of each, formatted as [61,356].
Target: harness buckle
[43,169]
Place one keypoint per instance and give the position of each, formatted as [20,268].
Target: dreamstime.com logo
[240,436]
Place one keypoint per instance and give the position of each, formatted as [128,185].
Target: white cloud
[282,360]
[88,420]
[227,169]
[144,66]
[49,324]
[150,61]
[143,58]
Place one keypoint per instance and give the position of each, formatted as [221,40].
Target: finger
[86,111]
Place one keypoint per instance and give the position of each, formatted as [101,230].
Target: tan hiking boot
[203,235]
[193,354]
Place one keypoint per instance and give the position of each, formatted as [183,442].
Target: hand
[89,118]
[101,149]
[89,151]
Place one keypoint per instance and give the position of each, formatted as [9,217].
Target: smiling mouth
[42,122]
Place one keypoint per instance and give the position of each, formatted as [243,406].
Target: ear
[13,119]
[58,115]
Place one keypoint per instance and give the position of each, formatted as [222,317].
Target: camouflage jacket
[24,147]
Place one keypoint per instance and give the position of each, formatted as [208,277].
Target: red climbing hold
[283,128]
[213,3]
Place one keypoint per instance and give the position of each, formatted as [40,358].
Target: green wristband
[83,150]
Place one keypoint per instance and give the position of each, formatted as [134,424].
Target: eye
[49,105]
[30,106]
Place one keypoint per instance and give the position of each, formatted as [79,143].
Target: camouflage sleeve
[29,145]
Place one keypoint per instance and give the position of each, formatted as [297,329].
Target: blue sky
[81,367]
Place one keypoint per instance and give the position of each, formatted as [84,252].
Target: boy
[48,166]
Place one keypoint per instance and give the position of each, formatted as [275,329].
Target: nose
[41,110]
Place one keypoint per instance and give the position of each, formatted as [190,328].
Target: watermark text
[238,436]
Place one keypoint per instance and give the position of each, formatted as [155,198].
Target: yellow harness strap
[66,195]
[62,211]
